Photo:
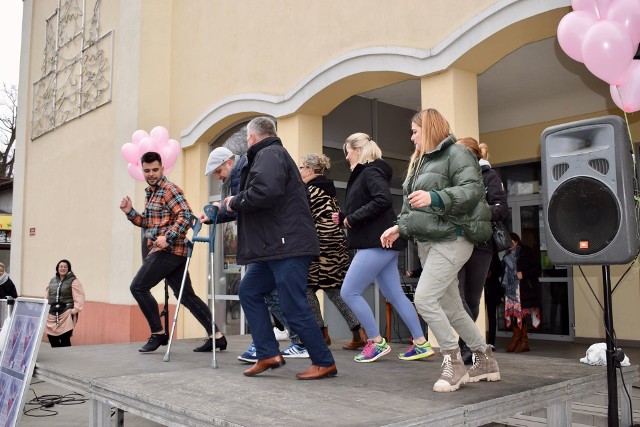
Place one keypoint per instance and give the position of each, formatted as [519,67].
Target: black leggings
[63,340]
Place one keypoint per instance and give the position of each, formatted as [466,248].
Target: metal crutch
[195,226]
[212,213]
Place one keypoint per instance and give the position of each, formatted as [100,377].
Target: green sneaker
[417,351]
[373,351]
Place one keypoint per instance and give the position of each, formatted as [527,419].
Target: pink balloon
[175,146]
[627,13]
[146,145]
[160,135]
[597,8]
[168,169]
[138,136]
[168,156]
[627,95]
[571,31]
[607,51]
[135,172]
[131,153]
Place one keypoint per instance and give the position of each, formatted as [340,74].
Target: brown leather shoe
[264,364]
[359,340]
[318,372]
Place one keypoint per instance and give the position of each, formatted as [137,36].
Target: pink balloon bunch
[142,142]
[604,35]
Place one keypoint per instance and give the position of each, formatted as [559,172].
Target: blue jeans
[289,277]
[379,265]
[163,265]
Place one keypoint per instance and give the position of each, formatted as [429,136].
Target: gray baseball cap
[216,158]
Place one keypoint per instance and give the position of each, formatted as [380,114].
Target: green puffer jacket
[451,171]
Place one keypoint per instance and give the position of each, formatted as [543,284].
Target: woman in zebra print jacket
[327,272]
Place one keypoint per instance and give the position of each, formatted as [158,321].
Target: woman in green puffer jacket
[445,213]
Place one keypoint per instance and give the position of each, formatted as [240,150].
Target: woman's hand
[335,217]
[389,236]
[419,199]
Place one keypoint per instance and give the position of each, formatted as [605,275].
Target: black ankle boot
[221,343]
[155,341]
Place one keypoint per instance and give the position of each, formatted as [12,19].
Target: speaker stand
[612,380]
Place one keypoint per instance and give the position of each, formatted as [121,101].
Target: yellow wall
[174,61]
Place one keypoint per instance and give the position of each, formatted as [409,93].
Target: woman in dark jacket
[369,211]
[7,288]
[522,292]
[473,274]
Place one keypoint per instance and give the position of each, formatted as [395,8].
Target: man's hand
[226,202]
[161,242]
[126,205]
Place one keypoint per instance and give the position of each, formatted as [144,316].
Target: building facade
[93,72]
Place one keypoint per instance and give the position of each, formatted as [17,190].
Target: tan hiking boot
[485,366]
[453,372]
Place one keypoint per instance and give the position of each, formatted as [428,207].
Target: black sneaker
[207,346]
[155,341]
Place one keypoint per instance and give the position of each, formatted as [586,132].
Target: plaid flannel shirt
[166,213]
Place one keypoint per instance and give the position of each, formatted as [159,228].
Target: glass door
[557,312]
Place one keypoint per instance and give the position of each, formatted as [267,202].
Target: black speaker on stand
[589,207]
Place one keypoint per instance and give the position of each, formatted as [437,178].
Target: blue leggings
[379,265]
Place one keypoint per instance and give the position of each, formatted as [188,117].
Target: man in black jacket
[277,239]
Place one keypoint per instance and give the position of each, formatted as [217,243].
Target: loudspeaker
[590,214]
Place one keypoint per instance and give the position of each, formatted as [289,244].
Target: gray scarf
[4,278]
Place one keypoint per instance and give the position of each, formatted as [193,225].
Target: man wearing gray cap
[222,164]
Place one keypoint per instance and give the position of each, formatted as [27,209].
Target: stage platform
[389,392]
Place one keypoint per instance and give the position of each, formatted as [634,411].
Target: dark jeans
[289,276]
[163,265]
[471,278]
[63,340]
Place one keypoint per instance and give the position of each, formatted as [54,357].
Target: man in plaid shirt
[165,220]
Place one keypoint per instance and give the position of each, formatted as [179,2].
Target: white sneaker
[281,335]
[294,351]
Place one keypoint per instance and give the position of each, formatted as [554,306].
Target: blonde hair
[318,163]
[484,149]
[369,150]
[472,145]
[434,127]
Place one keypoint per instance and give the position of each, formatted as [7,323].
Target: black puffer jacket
[368,205]
[274,219]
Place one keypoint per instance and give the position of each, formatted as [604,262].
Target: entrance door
[526,219]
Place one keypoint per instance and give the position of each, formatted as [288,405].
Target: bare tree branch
[8,120]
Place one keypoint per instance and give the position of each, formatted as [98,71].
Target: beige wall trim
[413,62]
[20,151]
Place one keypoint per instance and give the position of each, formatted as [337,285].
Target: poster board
[19,356]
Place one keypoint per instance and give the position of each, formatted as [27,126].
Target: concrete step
[589,411]
[527,421]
